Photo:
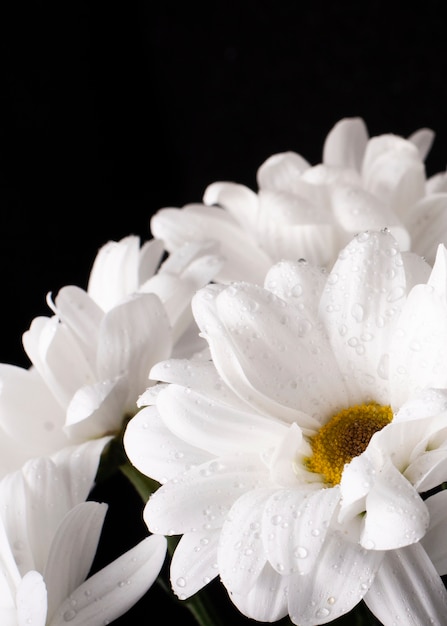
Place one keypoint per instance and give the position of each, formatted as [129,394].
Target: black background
[111,111]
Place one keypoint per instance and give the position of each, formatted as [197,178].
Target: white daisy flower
[293,462]
[311,212]
[91,359]
[48,539]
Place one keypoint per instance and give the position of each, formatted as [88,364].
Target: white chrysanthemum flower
[311,212]
[48,539]
[293,462]
[91,359]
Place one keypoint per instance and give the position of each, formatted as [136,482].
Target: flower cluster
[272,365]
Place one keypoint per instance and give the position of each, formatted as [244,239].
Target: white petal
[427,222]
[151,254]
[358,210]
[342,574]
[300,284]
[408,587]
[77,466]
[295,226]
[111,592]
[438,276]
[280,171]
[396,515]
[193,563]
[72,551]
[202,223]
[359,325]
[345,144]
[133,336]
[392,170]
[29,414]
[58,356]
[423,140]
[203,495]
[417,356]
[255,339]
[114,274]
[267,600]
[97,410]
[240,202]
[434,539]
[216,427]
[241,554]
[31,600]
[294,527]
[155,451]
[80,312]
[9,573]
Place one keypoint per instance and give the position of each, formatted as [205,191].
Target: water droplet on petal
[301,552]
[69,615]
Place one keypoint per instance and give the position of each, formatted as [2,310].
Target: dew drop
[324,612]
[395,294]
[383,367]
[69,615]
[297,290]
[357,312]
[181,582]
[301,552]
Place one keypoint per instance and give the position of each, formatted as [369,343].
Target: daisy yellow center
[345,436]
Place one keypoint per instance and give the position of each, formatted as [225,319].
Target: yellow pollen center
[345,436]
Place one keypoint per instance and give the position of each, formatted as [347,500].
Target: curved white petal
[202,223]
[345,144]
[299,283]
[75,308]
[31,600]
[112,591]
[240,202]
[72,551]
[417,356]
[363,297]
[204,494]
[216,427]
[133,336]
[407,587]
[264,351]
[29,414]
[343,573]
[358,210]
[267,600]
[294,527]
[280,171]
[396,515]
[434,539]
[427,222]
[241,555]
[394,172]
[97,410]
[295,226]
[114,274]
[155,451]
[151,254]
[194,562]
[58,356]
[77,466]
[423,140]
